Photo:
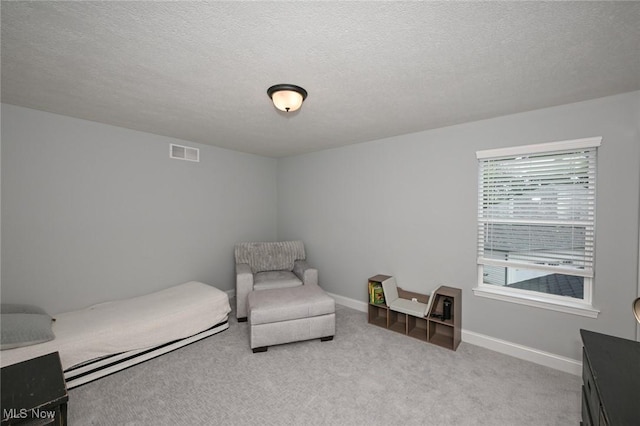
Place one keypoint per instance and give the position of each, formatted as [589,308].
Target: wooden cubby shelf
[430,328]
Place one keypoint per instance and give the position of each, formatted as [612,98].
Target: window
[536,225]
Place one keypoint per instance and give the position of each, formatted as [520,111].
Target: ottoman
[285,315]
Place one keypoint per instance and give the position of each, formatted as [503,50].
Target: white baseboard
[537,356]
[349,303]
[527,353]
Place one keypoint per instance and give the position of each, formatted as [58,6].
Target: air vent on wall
[180,152]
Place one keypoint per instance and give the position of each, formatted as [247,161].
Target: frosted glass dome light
[287,97]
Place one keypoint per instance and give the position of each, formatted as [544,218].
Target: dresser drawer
[590,393]
[602,420]
[586,414]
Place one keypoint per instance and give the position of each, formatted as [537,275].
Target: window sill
[537,301]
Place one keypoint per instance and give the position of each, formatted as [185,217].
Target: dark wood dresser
[34,393]
[611,380]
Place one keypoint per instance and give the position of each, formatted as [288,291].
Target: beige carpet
[365,376]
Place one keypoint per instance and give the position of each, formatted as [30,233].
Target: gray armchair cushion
[24,325]
[289,304]
[275,279]
[271,256]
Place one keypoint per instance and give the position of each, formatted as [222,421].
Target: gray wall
[92,212]
[406,206]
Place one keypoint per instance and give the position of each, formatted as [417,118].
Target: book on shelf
[376,293]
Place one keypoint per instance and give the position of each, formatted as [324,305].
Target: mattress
[134,324]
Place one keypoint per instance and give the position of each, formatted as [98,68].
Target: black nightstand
[34,392]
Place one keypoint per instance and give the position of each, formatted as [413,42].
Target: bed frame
[93,370]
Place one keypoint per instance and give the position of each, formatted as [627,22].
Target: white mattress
[125,325]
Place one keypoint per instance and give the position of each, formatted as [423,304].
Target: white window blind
[536,207]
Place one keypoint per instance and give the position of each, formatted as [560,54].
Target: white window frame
[583,307]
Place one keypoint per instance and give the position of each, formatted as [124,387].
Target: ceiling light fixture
[287,97]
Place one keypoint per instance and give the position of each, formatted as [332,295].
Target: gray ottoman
[285,315]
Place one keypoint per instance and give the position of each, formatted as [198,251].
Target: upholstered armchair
[261,266]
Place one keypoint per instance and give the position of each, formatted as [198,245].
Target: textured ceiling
[199,71]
